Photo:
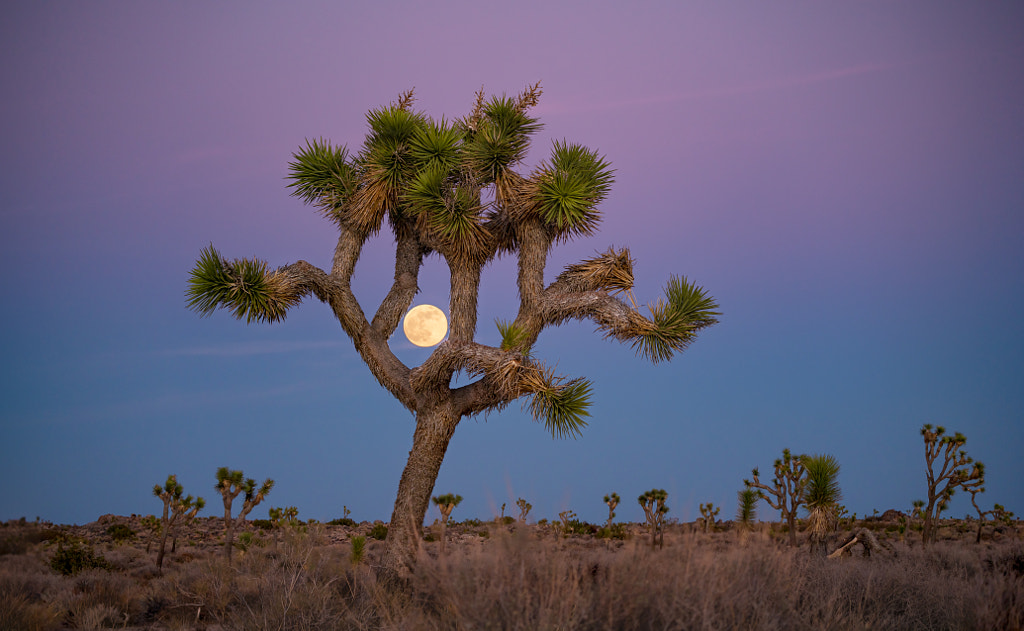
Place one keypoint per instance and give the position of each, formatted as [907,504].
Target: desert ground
[502,574]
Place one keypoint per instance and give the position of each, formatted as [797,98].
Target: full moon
[425,325]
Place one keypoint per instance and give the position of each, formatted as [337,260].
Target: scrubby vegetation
[519,577]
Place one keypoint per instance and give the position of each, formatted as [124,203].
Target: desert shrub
[358,548]
[615,531]
[429,537]
[262,524]
[470,523]
[120,533]
[379,532]
[577,527]
[20,613]
[74,555]
[19,541]
[342,521]
[507,520]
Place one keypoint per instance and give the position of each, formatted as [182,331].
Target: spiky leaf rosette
[513,337]
[570,187]
[244,286]
[448,209]
[324,176]
[386,162]
[561,404]
[448,499]
[822,492]
[675,320]
[498,137]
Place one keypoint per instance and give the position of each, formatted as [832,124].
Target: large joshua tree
[449,187]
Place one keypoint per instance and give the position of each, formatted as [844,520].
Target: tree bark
[228,528]
[434,429]
[163,539]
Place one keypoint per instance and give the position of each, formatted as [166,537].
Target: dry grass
[525,580]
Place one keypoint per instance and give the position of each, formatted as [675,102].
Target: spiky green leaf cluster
[513,337]
[243,286]
[562,405]
[686,309]
[746,510]
[822,481]
[500,139]
[323,175]
[448,499]
[571,186]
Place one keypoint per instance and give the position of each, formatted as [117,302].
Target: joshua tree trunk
[229,528]
[163,540]
[434,430]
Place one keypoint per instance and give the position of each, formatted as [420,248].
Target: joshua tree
[230,484]
[821,499]
[152,524]
[175,506]
[524,509]
[450,188]
[998,512]
[786,493]
[446,504]
[746,509]
[956,470]
[612,501]
[708,512]
[566,516]
[653,503]
[281,518]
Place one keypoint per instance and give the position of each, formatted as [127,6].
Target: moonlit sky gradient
[847,179]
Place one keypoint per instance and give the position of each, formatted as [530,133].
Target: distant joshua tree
[821,499]
[176,507]
[998,512]
[708,512]
[524,509]
[230,484]
[446,504]
[786,492]
[653,503]
[452,187]
[612,501]
[957,469]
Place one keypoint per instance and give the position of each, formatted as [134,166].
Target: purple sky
[847,180]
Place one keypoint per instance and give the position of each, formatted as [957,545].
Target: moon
[425,325]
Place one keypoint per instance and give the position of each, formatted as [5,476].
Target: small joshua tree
[566,516]
[998,512]
[957,469]
[446,504]
[708,513]
[524,509]
[283,518]
[786,492]
[612,501]
[821,499]
[653,503]
[175,506]
[746,509]
[230,484]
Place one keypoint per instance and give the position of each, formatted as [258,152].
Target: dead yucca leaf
[611,271]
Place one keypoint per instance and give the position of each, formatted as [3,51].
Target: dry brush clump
[525,580]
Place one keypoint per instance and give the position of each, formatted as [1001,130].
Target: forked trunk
[434,430]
